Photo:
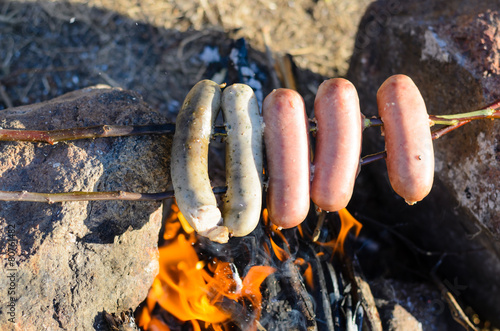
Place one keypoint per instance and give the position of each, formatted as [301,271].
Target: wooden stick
[364,294]
[435,135]
[99,131]
[373,157]
[55,136]
[441,132]
[89,196]
[292,283]
[491,112]
[456,118]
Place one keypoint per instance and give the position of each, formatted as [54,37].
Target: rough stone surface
[71,261]
[407,305]
[451,51]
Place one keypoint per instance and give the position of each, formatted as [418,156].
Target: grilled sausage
[189,165]
[338,144]
[243,200]
[287,148]
[408,141]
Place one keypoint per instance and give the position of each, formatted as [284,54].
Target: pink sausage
[338,144]
[408,141]
[286,139]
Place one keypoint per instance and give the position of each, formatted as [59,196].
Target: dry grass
[152,47]
[320,34]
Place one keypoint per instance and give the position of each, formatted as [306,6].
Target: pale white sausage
[244,154]
[189,161]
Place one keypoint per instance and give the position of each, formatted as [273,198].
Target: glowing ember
[187,290]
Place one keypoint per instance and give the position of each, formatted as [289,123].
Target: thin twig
[456,310]
[491,112]
[373,157]
[182,45]
[269,56]
[292,283]
[372,121]
[457,118]
[5,97]
[90,196]
[210,15]
[362,292]
[284,64]
[494,105]
[319,226]
[10,78]
[54,136]
[435,135]
[441,132]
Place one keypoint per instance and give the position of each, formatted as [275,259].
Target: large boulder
[451,49]
[68,262]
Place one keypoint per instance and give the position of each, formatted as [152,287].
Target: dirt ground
[154,47]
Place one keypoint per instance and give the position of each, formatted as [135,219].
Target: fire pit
[220,287]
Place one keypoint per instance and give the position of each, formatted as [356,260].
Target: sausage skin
[287,148]
[244,157]
[408,140]
[338,144]
[189,161]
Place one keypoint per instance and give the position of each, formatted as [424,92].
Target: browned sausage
[408,141]
[287,148]
[338,144]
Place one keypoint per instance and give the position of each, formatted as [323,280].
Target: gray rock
[72,261]
[451,51]
[405,305]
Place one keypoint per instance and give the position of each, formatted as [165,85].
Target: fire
[199,291]
[211,294]
[308,273]
[347,222]
[280,253]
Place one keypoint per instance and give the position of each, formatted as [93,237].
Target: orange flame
[347,222]
[185,288]
[208,291]
[280,253]
[308,272]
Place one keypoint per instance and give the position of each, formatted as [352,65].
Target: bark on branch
[89,196]
[99,131]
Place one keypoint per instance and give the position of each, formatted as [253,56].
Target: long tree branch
[99,131]
[441,132]
[492,112]
[435,135]
[90,196]
[55,136]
